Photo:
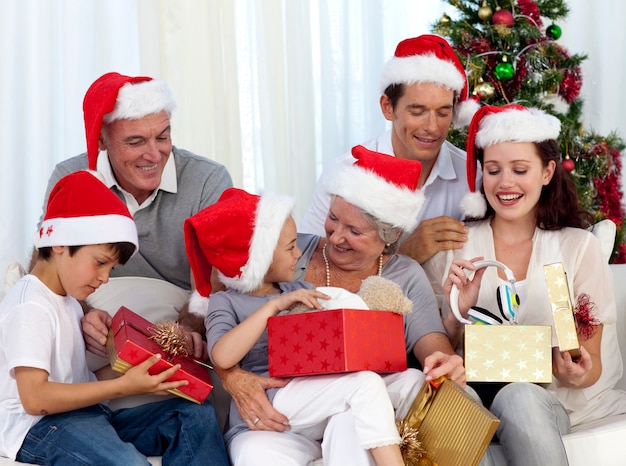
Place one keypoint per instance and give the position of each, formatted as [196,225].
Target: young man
[51,405]
[424,89]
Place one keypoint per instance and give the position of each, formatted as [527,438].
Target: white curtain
[270,88]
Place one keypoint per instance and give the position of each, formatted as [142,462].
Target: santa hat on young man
[493,125]
[114,96]
[82,210]
[237,236]
[382,185]
[430,59]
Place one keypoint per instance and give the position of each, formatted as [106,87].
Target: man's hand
[434,235]
[450,365]
[248,391]
[95,325]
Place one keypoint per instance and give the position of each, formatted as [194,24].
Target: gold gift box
[454,429]
[562,309]
[508,353]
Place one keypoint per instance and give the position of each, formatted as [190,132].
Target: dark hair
[558,205]
[394,93]
[122,251]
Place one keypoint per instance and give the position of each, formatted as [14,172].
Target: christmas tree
[512,55]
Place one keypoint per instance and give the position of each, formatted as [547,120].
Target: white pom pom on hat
[493,125]
[430,58]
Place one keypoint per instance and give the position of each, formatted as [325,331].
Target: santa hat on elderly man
[237,236]
[430,59]
[114,96]
[493,125]
[82,210]
[381,185]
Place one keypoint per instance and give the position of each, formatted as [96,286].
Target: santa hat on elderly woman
[114,96]
[493,125]
[382,185]
[237,236]
[430,59]
[82,210]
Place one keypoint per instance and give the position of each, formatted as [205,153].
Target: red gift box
[129,344]
[339,340]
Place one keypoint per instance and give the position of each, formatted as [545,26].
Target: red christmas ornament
[503,17]
[568,164]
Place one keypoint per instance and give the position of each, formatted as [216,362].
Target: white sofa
[597,443]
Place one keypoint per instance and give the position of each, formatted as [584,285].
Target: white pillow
[605,231]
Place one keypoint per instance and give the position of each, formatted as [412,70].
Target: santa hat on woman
[382,185]
[82,210]
[114,96]
[430,59]
[493,125]
[237,235]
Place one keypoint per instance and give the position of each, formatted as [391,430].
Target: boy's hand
[95,325]
[139,381]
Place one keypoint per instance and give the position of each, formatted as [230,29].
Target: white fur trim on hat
[198,304]
[78,231]
[387,202]
[137,100]
[530,125]
[271,214]
[422,68]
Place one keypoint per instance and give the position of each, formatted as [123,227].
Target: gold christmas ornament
[485,12]
[445,19]
[485,90]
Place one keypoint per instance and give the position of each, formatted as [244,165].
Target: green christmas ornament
[504,71]
[553,32]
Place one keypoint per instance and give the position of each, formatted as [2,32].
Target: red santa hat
[382,185]
[430,59]
[493,125]
[114,96]
[82,210]
[237,235]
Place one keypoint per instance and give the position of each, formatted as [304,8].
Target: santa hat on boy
[382,185]
[430,59]
[237,235]
[114,96]
[82,210]
[493,125]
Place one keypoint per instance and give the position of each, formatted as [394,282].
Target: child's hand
[139,381]
[307,297]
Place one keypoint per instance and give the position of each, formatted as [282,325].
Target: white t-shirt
[40,329]
[445,187]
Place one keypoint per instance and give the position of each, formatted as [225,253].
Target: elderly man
[128,132]
[424,90]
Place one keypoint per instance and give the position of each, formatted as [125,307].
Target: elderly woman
[373,203]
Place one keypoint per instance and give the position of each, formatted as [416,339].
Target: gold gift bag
[453,428]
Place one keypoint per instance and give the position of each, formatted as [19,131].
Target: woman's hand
[248,392]
[468,289]
[583,372]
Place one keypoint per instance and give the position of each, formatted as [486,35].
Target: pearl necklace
[380,265]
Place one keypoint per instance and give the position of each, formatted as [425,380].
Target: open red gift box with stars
[129,344]
[339,340]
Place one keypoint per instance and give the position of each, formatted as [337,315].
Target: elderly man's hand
[248,391]
[95,325]
[434,235]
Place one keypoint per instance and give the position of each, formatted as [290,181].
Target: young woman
[533,218]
